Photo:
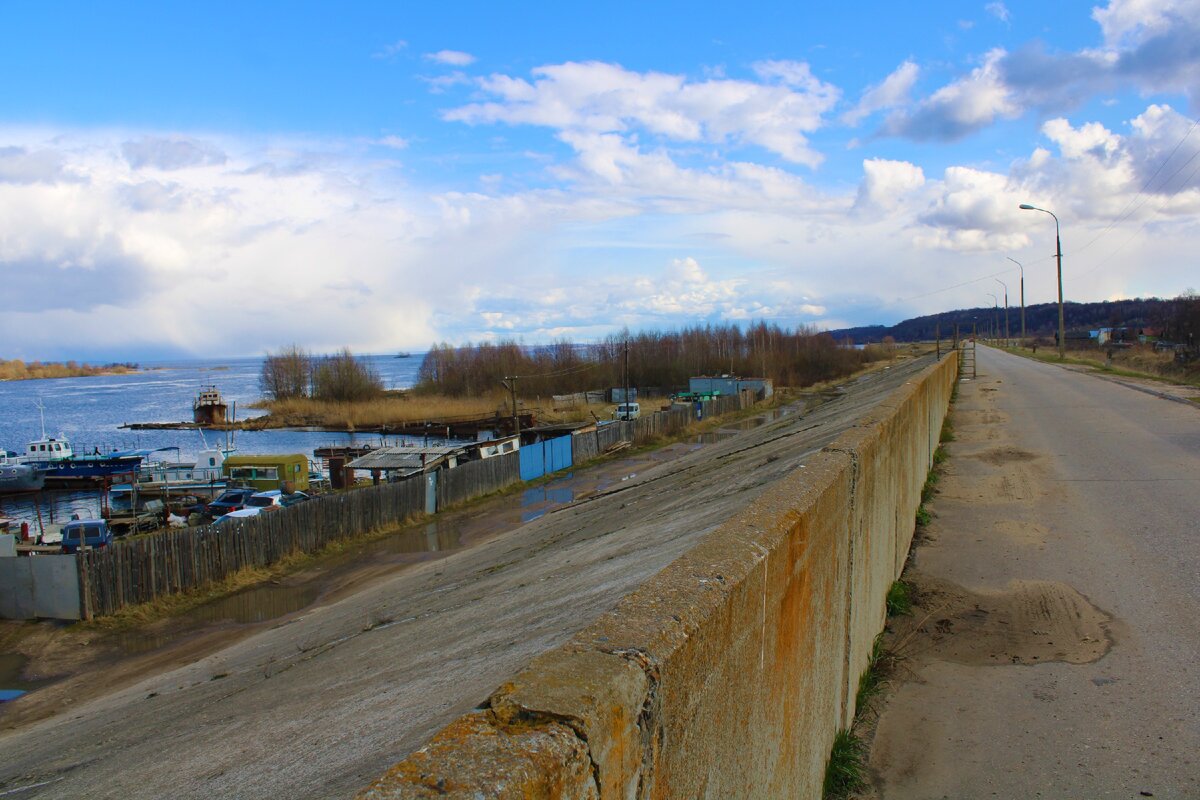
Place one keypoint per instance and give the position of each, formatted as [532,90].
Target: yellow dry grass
[390,410]
[18,370]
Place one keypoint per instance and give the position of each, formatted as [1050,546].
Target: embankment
[728,673]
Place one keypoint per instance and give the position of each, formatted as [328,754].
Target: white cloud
[887,184]
[393,142]
[1147,45]
[961,107]
[998,10]
[453,58]
[893,91]
[334,252]
[390,51]
[600,98]
[170,152]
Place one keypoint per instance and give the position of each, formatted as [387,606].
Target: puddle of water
[256,605]
[12,685]
[429,539]
[714,437]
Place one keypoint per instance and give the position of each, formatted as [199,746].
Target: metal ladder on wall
[966,359]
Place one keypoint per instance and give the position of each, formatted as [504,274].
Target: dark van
[94,532]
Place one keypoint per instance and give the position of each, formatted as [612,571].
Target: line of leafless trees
[662,360]
[341,377]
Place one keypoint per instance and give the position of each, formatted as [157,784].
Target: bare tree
[287,374]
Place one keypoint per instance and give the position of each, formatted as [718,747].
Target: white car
[263,501]
[233,516]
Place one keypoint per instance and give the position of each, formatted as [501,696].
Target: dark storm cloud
[111,278]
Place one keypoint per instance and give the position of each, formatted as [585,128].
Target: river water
[90,411]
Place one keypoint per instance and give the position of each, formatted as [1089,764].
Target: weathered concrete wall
[729,672]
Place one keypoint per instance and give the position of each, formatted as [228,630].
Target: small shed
[725,385]
[268,472]
[404,460]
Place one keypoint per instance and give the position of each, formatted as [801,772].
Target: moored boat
[18,477]
[209,407]
[58,461]
[202,477]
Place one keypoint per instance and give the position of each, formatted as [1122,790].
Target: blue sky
[236,177]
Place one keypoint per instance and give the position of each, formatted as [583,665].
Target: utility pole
[510,383]
[626,398]
[1022,268]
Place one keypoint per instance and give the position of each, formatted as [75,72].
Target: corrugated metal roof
[404,457]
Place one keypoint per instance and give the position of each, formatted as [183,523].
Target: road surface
[322,703]
[1058,653]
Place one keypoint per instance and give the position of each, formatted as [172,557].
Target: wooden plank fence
[477,478]
[143,569]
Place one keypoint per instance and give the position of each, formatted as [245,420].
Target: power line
[1126,212]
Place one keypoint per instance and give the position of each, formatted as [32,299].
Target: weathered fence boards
[142,569]
[477,478]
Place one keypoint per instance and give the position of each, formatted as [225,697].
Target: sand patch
[999,456]
[1031,622]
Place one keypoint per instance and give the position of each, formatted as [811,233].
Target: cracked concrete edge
[591,711]
[480,756]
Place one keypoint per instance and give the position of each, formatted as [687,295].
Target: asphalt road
[1058,479]
[325,701]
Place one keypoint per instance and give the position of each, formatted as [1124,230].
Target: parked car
[294,498]
[230,500]
[267,501]
[627,411]
[94,533]
[234,516]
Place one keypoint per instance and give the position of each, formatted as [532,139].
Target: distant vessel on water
[403,354]
[209,407]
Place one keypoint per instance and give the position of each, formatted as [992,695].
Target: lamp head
[1026,207]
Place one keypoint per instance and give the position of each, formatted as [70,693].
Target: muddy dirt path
[1053,648]
[319,702]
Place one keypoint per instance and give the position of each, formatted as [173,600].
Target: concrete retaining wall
[729,672]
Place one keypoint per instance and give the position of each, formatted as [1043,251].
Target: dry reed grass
[390,410]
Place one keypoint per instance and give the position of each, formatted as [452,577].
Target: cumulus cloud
[453,58]
[1152,46]
[170,153]
[20,165]
[960,108]
[893,91]
[887,184]
[600,98]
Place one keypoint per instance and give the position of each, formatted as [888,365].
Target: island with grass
[18,370]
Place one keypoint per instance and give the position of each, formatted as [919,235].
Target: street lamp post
[1018,263]
[1005,285]
[995,315]
[1062,328]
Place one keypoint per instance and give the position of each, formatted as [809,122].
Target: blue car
[95,533]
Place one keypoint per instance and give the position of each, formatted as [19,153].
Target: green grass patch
[931,482]
[899,599]
[846,766]
[923,517]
